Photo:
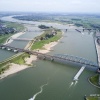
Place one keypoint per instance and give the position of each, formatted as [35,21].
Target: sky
[75,6]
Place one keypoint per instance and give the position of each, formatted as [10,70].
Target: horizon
[63,13]
[57,6]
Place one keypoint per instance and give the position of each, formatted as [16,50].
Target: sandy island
[14,68]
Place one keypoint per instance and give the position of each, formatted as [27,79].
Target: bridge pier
[15,50]
[8,49]
[44,58]
[3,47]
[29,53]
[52,59]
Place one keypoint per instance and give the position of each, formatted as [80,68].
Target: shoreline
[13,68]
[9,40]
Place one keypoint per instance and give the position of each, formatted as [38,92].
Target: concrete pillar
[44,58]
[52,59]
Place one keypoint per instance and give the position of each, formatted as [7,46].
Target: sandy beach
[31,59]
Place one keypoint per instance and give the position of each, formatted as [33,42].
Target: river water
[48,80]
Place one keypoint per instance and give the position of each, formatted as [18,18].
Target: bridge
[22,39]
[61,58]
[82,30]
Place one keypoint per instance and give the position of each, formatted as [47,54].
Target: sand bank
[31,59]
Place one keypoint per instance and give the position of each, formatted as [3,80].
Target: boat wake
[82,33]
[41,90]
[73,84]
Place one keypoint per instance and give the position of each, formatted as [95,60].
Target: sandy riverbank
[48,47]
[9,40]
[31,59]
[14,68]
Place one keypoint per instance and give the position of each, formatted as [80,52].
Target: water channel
[48,80]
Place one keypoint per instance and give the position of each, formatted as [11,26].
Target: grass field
[3,38]
[95,80]
[93,98]
[17,26]
[20,59]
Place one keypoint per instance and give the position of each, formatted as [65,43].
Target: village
[6,30]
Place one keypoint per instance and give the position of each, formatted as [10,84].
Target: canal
[48,80]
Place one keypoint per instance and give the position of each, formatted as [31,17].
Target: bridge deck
[22,39]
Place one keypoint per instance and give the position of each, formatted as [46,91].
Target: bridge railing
[77,59]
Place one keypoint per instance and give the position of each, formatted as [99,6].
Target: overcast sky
[88,6]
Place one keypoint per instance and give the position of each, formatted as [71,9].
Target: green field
[17,26]
[3,38]
[20,59]
[95,80]
[93,98]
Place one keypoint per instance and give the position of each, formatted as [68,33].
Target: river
[48,80]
